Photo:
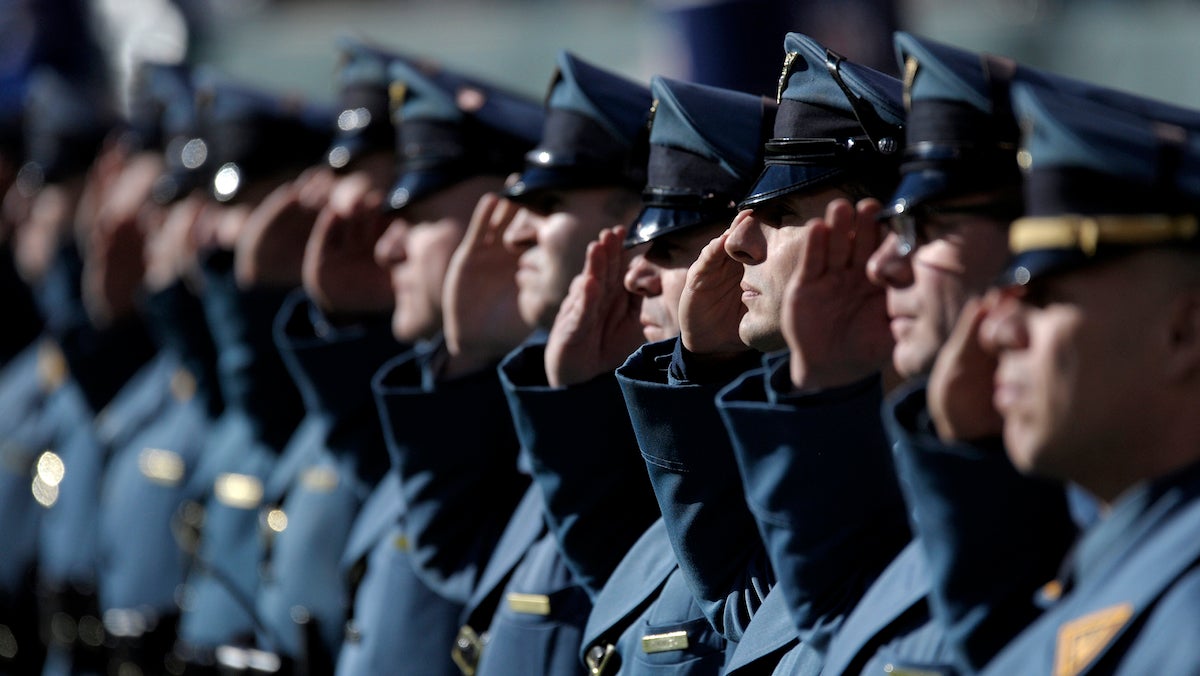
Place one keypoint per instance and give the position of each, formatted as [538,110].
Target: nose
[521,232]
[643,278]
[1004,327]
[745,243]
[389,248]
[887,267]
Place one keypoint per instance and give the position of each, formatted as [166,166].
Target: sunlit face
[1074,350]
[769,241]
[955,257]
[658,274]
[416,250]
[552,237]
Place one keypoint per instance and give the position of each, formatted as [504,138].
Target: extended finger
[481,219]
[814,257]
[867,233]
[839,216]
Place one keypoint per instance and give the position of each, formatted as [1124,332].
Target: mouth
[749,292]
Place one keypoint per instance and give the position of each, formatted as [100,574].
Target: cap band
[1086,233]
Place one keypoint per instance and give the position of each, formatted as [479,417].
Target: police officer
[705,151]
[581,180]
[459,483]
[337,456]
[255,141]
[1103,257]
[801,451]
[949,219]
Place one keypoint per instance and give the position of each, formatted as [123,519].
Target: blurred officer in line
[254,142]
[580,180]
[21,314]
[1085,352]
[20,650]
[103,343]
[949,219]
[813,461]
[62,135]
[375,582]
[333,335]
[147,469]
[948,228]
[705,151]
[451,442]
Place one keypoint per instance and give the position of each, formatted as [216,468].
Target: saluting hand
[479,301]
[270,248]
[711,307]
[834,319]
[961,384]
[339,270]
[597,326]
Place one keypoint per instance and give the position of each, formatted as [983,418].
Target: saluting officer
[810,450]
[1085,355]
[705,152]
[254,141]
[448,432]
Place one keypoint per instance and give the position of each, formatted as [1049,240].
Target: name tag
[529,604]
[240,491]
[319,479]
[161,466]
[661,643]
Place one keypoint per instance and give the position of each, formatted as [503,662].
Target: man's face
[955,256]
[416,250]
[552,237]
[1073,350]
[769,241]
[658,274]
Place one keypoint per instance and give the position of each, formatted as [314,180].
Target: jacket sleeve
[992,537]
[584,458]
[691,465]
[818,477]
[453,445]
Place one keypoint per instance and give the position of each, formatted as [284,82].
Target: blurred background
[1148,46]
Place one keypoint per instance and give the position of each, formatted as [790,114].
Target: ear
[1182,358]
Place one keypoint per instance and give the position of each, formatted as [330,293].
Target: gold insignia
[1087,232]
[240,491]
[1081,640]
[468,646]
[1051,591]
[911,65]
[529,604]
[319,479]
[396,93]
[653,112]
[599,657]
[51,366]
[49,474]
[401,542]
[183,385]
[161,466]
[661,643]
[783,77]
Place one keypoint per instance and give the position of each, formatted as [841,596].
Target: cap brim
[778,180]
[918,188]
[1030,265]
[420,183]
[655,222]
[346,151]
